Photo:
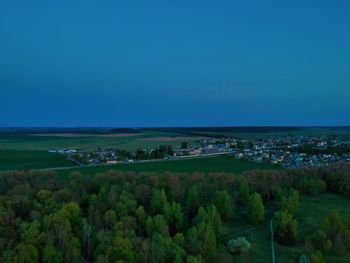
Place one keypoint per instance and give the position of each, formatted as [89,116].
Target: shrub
[239,245]
[318,241]
[317,257]
[316,186]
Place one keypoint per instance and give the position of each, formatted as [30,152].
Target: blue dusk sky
[174,63]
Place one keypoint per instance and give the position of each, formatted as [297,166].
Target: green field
[25,151]
[204,165]
[311,213]
[21,160]
[44,142]
[31,146]
[260,132]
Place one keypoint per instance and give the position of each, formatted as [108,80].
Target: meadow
[29,150]
[28,159]
[203,165]
[310,215]
[90,141]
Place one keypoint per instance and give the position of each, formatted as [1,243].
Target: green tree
[179,239]
[318,241]
[316,186]
[285,228]
[224,205]
[209,243]
[195,259]
[121,250]
[288,201]
[126,204]
[27,253]
[110,219]
[140,214]
[159,201]
[63,225]
[243,191]
[193,242]
[159,225]
[317,257]
[174,216]
[31,233]
[208,216]
[163,249]
[214,219]
[184,145]
[337,231]
[255,209]
[192,201]
[51,254]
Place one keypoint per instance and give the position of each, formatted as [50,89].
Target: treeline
[152,217]
[312,149]
[157,153]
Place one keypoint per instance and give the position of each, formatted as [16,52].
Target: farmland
[203,165]
[29,150]
[31,144]
[27,159]
[89,141]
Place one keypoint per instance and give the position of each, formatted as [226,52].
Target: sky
[174,63]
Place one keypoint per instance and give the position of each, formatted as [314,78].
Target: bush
[318,241]
[316,187]
[317,257]
[239,245]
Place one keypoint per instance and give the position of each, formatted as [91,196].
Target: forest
[119,216]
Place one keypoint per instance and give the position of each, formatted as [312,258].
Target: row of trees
[157,153]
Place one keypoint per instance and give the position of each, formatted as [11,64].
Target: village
[287,152]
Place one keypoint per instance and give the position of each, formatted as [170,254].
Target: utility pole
[272,242]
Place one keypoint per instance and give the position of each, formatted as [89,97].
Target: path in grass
[311,214]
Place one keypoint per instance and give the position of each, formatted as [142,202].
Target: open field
[89,141]
[204,165]
[311,213]
[73,135]
[142,138]
[42,140]
[168,139]
[21,160]
[259,132]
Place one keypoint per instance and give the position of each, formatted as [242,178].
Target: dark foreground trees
[156,217]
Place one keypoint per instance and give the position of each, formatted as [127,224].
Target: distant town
[288,151]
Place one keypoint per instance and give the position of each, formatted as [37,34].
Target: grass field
[205,165]
[311,213]
[21,160]
[32,145]
[26,141]
[24,150]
